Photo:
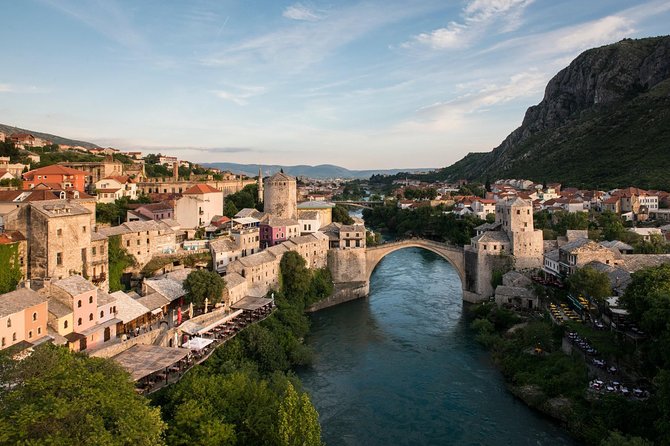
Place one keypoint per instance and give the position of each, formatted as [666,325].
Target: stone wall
[342,293]
[347,265]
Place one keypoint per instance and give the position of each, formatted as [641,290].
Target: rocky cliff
[605,94]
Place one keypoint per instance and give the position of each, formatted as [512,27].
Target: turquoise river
[401,367]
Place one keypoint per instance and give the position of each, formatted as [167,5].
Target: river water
[401,367]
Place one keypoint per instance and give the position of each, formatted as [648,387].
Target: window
[90,299]
[4,342]
[90,317]
[83,229]
[79,321]
[59,232]
[93,250]
[79,303]
[9,322]
[14,337]
[30,334]
[127,243]
[34,316]
[65,324]
[59,258]
[39,330]
[138,242]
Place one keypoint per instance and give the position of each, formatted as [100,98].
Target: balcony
[99,278]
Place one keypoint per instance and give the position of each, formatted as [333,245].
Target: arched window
[79,321]
[79,303]
[14,337]
[102,314]
[34,316]
[65,324]
[9,322]
[30,334]
[90,317]
[39,330]
[90,299]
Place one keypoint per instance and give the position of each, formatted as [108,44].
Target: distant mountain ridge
[604,121]
[8,130]
[321,171]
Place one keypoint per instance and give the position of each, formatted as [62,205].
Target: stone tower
[175,171]
[527,246]
[280,196]
[260,184]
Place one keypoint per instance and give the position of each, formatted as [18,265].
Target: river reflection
[402,367]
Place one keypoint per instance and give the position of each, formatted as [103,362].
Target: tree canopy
[591,283]
[202,284]
[63,398]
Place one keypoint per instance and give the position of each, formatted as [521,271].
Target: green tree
[655,245]
[10,271]
[229,209]
[298,420]
[590,282]
[63,398]
[296,278]
[202,284]
[341,215]
[611,226]
[617,439]
[119,260]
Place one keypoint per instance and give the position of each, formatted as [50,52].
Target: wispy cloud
[452,114]
[106,17]
[298,11]
[478,16]
[294,47]
[14,88]
[241,95]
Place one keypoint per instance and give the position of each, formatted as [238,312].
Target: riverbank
[544,377]
[247,393]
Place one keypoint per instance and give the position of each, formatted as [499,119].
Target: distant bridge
[360,203]
[452,254]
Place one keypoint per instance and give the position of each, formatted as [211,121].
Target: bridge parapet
[453,254]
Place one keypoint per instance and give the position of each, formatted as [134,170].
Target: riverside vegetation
[543,376]
[245,394]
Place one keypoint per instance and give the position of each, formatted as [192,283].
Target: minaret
[260,185]
[175,171]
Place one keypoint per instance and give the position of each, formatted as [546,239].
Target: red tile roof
[54,169]
[200,189]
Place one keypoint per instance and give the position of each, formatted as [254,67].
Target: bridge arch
[451,254]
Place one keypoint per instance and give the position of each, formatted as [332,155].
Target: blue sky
[374,84]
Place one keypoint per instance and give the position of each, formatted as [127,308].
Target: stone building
[58,234]
[510,242]
[224,251]
[144,239]
[23,317]
[577,253]
[280,196]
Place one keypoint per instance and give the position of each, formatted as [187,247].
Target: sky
[371,84]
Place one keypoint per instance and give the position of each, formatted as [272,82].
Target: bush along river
[402,367]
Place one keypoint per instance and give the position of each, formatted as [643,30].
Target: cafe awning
[251,303]
[205,324]
[143,360]
[197,343]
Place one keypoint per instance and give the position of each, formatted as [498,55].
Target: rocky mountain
[8,130]
[320,171]
[604,121]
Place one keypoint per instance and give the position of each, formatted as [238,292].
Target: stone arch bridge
[450,253]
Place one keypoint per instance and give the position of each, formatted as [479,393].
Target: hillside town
[64,283]
[58,257]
